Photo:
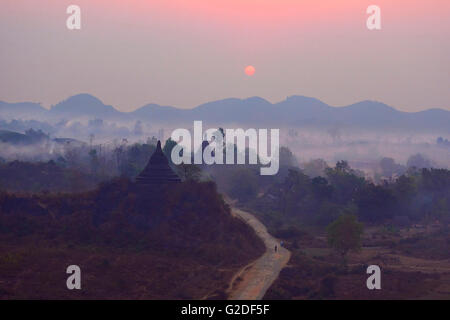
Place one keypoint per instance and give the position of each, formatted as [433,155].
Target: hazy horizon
[185,54]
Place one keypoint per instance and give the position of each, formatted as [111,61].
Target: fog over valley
[363,134]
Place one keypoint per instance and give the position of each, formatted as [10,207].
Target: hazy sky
[187,52]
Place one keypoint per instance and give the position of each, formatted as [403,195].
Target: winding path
[253,280]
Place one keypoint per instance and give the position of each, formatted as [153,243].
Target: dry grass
[411,269]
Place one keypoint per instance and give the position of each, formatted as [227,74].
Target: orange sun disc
[250,70]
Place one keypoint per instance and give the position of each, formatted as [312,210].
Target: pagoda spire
[158,171]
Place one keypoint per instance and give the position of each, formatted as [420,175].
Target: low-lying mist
[363,149]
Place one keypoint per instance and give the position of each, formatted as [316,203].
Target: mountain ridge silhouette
[293,111]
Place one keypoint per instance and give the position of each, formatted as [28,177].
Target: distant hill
[154,112]
[17,138]
[22,110]
[12,137]
[84,106]
[295,111]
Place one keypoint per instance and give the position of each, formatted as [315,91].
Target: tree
[419,161]
[138,131]
[95,163]
[389,167]
[344,181]
[321,189]
[287,158]
[295,192]
[315,168]
[167,149]
[189,172]
[243,184]
[344,234]
[375,203]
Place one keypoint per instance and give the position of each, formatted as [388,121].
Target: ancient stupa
[157,172]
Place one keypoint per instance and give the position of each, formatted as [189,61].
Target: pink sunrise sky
[184,53]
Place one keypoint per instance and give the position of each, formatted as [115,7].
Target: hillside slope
[184,245]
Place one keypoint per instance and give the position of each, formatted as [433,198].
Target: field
[414,262]
[39,272]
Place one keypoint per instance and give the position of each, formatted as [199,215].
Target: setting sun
[250,70]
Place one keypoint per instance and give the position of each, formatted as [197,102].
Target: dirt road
[252,281]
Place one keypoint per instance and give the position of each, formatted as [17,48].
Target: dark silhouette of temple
[157,172]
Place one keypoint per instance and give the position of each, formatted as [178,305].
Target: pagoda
[157,172]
